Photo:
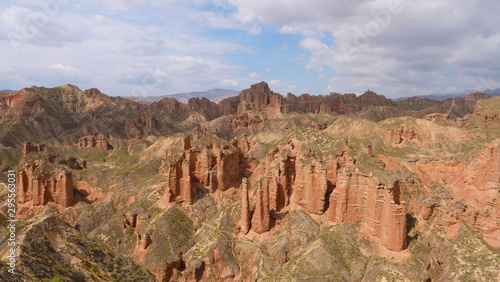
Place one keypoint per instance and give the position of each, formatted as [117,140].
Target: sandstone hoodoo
[246,216]
[43,182]
[261,220]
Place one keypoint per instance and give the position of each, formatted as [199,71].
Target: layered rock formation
[42,182]
[94,141]
[261,219]
[376,201]
[398,135]
[472,189]
[246,216]
[246,120]
[295,176]
[488,172]
[209,164]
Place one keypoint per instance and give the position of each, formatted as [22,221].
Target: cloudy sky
[157,47]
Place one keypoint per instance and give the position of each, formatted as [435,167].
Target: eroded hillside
[260,187]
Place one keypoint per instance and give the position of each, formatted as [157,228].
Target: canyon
[259,186]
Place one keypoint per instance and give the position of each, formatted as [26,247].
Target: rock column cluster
[42,183]
[360,198]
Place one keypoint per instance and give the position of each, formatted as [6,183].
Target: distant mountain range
[214,95]
[7,91]
[444,96]
[492,92]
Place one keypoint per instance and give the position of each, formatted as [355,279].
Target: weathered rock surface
[94,141]
[283,190]
[208,165]
[261,220]
[246,216]
[373,198]
[51,248]
[43,182]
[29,148]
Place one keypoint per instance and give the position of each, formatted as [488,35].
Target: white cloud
[254,75]
[255,30]
[282,86]
[287,29]
[229,83]
[62,67]
[390,45]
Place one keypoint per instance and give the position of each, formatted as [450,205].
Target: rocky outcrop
[42,182]
[138,136]
[29,148]
[436,116]
[374,200]
[71,162]
[488,172]
[398,135]
[204,107]
[91,193]
[229,106]
[247,121]
[261,220]
[209,164]
[257,97]
[93,141]
[295,176]
[246,216]
[311,185]
[486,114]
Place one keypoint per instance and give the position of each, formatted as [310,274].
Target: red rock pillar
[261,221]
[186,189]
[246,217]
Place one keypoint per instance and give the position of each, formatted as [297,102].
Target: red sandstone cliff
[93,141]
[42,182]
[373,200]
[209,164]
[472,186]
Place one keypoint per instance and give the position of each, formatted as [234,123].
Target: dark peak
[371,96]
[370,93]
[260,87]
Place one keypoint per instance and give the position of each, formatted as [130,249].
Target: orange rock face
[41,183]
[397,135]
[488,176]
[92,194]
[311,186]
[261,220]
[472,187]
[360,198]
[207,167]
[138,136]
[246,121]
[246,216]
[258,96]
[93,141]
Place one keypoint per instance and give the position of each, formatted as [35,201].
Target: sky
[396,48]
